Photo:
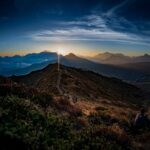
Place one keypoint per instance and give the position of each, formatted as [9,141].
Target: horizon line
[12,54]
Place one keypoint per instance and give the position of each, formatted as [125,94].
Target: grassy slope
[84,84]
[26,124]
[33,119]
[29,123]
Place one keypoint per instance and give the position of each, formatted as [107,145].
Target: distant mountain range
[38,61]
[104,69]
[118,58]
[10,65]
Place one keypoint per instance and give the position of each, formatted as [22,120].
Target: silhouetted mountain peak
[108,54]
[112,58]
[71,55]
[47,52]
[146,55]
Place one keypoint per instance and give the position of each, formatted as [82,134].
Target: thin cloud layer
[91,27]
[121,24]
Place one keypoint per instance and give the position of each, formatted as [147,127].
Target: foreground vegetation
[33,120]
[26,125]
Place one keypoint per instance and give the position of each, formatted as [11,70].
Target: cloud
[95,27]
[122,22]
[117,7]
[80,34]
[90,21]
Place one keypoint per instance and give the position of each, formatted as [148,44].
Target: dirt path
[58,83]
[61,92]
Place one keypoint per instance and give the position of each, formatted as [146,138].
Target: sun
[61,52]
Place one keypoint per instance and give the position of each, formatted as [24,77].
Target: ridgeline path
[66,95]
[58,83]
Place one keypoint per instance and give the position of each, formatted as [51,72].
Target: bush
[24,124]
[43,99]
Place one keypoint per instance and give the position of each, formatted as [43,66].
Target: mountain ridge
[85,84]
[119,58]
[72,60]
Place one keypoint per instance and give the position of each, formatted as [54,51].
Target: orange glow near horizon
[64,51]
[60,51]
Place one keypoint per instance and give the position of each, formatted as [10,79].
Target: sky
[83,27]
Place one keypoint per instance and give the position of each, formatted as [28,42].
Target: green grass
[25,125]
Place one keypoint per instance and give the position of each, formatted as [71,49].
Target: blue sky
[84,27]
